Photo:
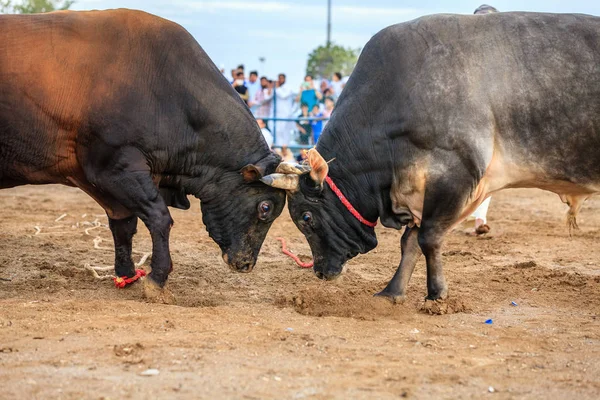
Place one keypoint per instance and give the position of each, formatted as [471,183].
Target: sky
[285,32]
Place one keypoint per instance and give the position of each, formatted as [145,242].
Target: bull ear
[252,173]
[282,181]
[318,166]
[267,165]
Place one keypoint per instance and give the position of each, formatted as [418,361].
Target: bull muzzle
[242,264]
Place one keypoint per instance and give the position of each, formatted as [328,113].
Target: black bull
[130,109]
[441,112]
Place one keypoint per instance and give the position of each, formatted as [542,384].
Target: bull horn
[289,168]
[282,181]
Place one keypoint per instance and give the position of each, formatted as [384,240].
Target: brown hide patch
[408,190]
[504,172]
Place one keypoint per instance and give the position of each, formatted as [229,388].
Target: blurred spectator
[329,105]
[317,125]
[336,85]
[324,86]
[283,109]
[266,132]
[286,154]
[302,156]
[304,125]
[253,86]
[325,89]
[240,87]
[262,99]
[308,94]
[233,75]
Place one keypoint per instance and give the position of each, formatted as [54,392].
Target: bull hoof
[155,294]
[437,295]
[394,298]
[483,229]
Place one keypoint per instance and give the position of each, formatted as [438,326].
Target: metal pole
[328,23]
[275,113]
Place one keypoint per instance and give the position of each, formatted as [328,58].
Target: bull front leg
[129,181]
[409,246]
[122,232]
[444,202]
[430,241]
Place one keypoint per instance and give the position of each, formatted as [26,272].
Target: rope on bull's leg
[294,257]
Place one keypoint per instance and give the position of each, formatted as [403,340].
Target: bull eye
[307,217]
[264,209]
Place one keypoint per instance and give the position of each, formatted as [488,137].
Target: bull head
[287,175]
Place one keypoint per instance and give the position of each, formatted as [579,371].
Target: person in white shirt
[262,99]
[266,133]
[337,85]
[284,98]
[253,86]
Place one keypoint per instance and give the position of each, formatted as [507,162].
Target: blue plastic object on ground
[489,321]
[512,303]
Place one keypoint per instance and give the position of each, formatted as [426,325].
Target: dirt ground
[279,332]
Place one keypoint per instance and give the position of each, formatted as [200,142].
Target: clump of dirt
[328,300]
[442,307]
[194,299]
[129,353]
[525,264]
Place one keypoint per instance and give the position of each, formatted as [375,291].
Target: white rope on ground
[97,240]
[61,217]
[94,272]
[96,224]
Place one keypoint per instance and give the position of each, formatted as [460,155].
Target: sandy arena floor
[281,333]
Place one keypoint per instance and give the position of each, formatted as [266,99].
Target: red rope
[293,256]
[121,282]
[349,206]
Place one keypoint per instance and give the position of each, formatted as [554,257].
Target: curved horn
[282,181]
[289,168]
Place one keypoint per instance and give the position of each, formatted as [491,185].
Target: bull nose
[327,275]
[246,267]
[244,264]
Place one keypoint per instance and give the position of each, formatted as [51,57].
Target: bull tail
[572,221]
[574,203]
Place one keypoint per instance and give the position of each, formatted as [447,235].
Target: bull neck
[356,186]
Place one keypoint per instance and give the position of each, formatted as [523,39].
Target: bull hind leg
[409,245]
[123,231]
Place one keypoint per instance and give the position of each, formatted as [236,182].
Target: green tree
[33,6]
[5,6]
[325,60]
